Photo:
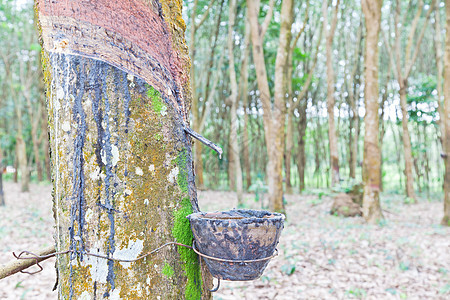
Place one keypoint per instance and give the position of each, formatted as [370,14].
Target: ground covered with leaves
[406,256]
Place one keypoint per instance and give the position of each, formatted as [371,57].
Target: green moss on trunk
[183,234]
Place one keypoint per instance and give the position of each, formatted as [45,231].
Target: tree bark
[354,119]
[402,75]
[234,149]
[244,95]
[407,152]
[273,117]
[289,142]
[332,135]
[371,198]
[2,195]
[439,67]
[446,218]
[196,116]
[21,150]
[118,103]
[301,156]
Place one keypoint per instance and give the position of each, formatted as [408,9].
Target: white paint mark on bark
[59,93]
[95,174]
[115,294]
[66,126]
[163,110]
[151,168]
[139,171]
[115,154]
[99,267]
[85,296]
[173,174]
[131,252]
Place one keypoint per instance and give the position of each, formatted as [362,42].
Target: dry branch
[21,264]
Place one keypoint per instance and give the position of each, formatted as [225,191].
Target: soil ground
[321,256]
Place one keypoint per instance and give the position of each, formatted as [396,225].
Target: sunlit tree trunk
[196,114]
[234,147]
[407,152]
[289,142]
[332,135]
[371,169]
[274,115]
[2,195]
[244,95]
[352,84]
[21,150]
[118,102]
[301,156]
[446,218]
[403,66]
[439,67]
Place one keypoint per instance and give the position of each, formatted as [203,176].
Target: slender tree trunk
[402,74]
[196,116]
[231,160]
[439,67]
[273,117]
[289,130]
[383,123]
[234,149]
[244,95]
[407,152]
[446,218]
[21,152]
[354,119]
[2,195]
[371,169]
[332,135]
[121,161]
[301,157]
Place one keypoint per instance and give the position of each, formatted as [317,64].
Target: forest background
[309,139]
[309,100]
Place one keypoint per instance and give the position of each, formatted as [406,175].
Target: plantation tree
[371,168]
[274,113]
[300,105]
[243,88]
[197,116]
[332,135]
[446,219]
[234,147]
[439,73]
[402,70]
[117,85]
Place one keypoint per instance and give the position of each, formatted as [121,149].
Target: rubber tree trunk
[289,142]
[446,218]
[371,166]
[407,145]
[234,146]
[117,82]
[23,164]
[331,101]
[2,195]
[274,118]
